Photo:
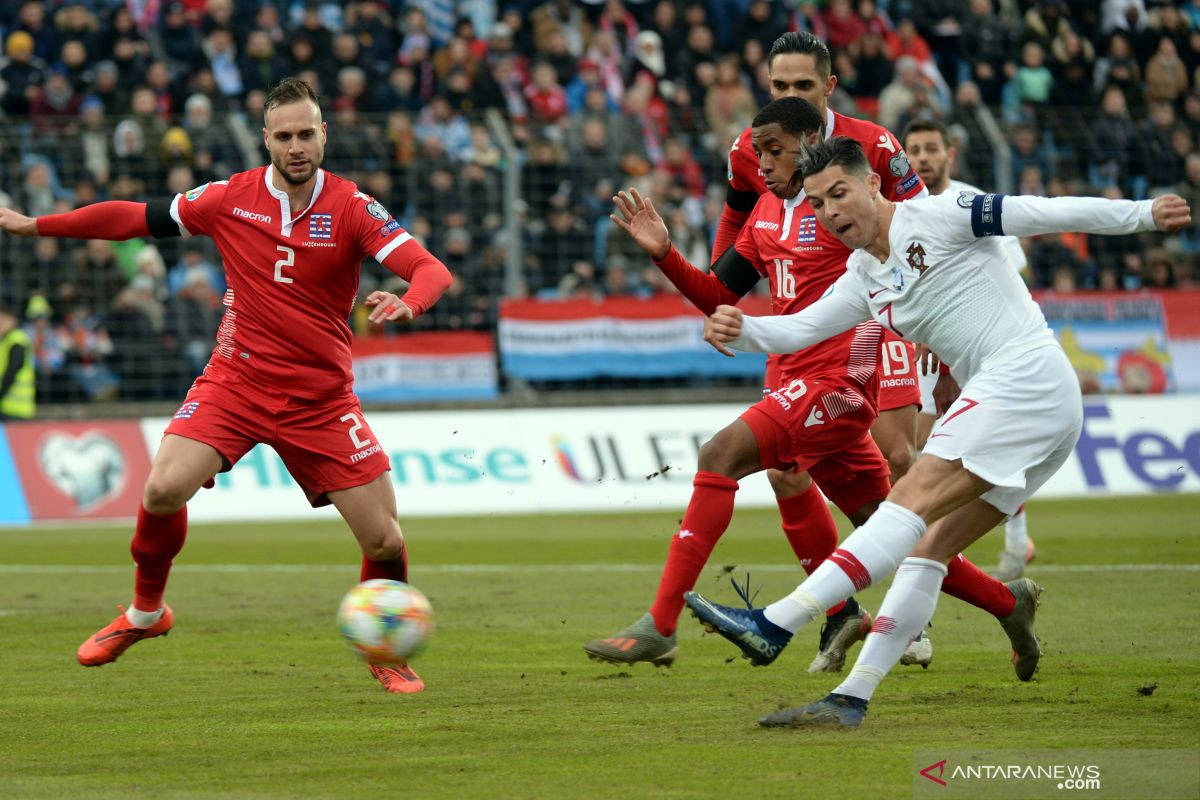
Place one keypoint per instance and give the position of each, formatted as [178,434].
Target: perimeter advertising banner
[522,461]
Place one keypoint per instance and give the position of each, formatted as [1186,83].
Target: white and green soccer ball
[385,621]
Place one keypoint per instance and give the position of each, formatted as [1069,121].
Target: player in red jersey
[292,237]
[817,420]
[799,66]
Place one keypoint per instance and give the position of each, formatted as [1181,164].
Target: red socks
[707,516]
[156,542]
[972,585]
[396,569]
[810,530]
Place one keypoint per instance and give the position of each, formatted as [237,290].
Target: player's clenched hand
[927,359]
[945,392]
[638,218]
[18,224]
[1171,213]
[387,308]
[723,327]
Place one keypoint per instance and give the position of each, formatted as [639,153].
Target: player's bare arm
[638,218]
[17,224]
[722,327]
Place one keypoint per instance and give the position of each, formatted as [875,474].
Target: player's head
[8,318]
[778,132]
[927,143]
[842,189]
[799,66]
[294,131]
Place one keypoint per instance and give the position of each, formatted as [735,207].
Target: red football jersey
[887,157]
[801,260]
[292,280]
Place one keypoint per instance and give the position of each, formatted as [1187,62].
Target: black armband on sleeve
[735,271]
[739,200]
[159,220]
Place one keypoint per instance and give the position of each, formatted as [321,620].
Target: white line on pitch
[99,569]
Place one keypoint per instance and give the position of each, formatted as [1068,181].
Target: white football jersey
[947,282]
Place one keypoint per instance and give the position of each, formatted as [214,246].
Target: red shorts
[325,444]
[822,427]
[897,373]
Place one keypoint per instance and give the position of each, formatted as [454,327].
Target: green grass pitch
[253,695]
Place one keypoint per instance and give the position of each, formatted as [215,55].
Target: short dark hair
[927,126]
[794,114]
[836,151]
[287,91]
[804,43]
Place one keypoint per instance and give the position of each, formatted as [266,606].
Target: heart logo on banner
[89,468]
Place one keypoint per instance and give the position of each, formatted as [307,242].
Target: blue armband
[985,215]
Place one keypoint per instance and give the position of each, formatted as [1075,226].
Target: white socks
[1016,533]
[869,554]
[142,619]
[906,609]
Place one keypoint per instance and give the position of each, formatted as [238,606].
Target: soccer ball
[385,621]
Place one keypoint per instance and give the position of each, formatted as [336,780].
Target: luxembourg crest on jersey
[320,226]
[806,232]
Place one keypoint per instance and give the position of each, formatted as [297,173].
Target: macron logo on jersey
[244,214]
[320,226]
[763,224]
[807,231]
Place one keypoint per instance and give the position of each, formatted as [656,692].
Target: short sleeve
[195,210]
[888,159]
[376,233]
[743,166]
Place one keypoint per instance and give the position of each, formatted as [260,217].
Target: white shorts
[926,384]
[1013,425]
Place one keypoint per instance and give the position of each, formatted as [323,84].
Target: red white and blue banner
[660,337]
[426,367]
[517,461]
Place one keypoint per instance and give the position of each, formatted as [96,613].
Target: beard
[303,178]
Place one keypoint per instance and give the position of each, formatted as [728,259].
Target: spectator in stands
[20,75]
[843,25]
[1163,164]
[73,58]
[260,66]
[1027,151]
[1116,146]
[898,96]
[222,60]
[177,41]
[1033,81]
[873,68]
[108,90]
[728,106]
[698,56]
[55,106]
[439,121]
[1166,75]
[564,241]
[762,22]
[1120,68]
[546,98]
[194,313]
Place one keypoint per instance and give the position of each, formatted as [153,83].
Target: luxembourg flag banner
[660,337]
[425,367]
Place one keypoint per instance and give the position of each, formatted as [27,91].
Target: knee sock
[707,516]
[156,541]
[869,554]
[810,530]
[396,569]
[1016,533]
[906,608]
[972,585]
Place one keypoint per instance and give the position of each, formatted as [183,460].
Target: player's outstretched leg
[108,643]
[1026,650]
[397,678]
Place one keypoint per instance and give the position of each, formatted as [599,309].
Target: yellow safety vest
[19,401]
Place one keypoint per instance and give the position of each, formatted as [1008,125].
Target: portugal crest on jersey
[916,257]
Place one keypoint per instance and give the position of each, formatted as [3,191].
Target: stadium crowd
[117,99]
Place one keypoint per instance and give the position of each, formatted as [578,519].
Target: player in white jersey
[930,270]
[932,155]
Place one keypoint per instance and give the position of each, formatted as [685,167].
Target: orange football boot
[398,678]
[111,641]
